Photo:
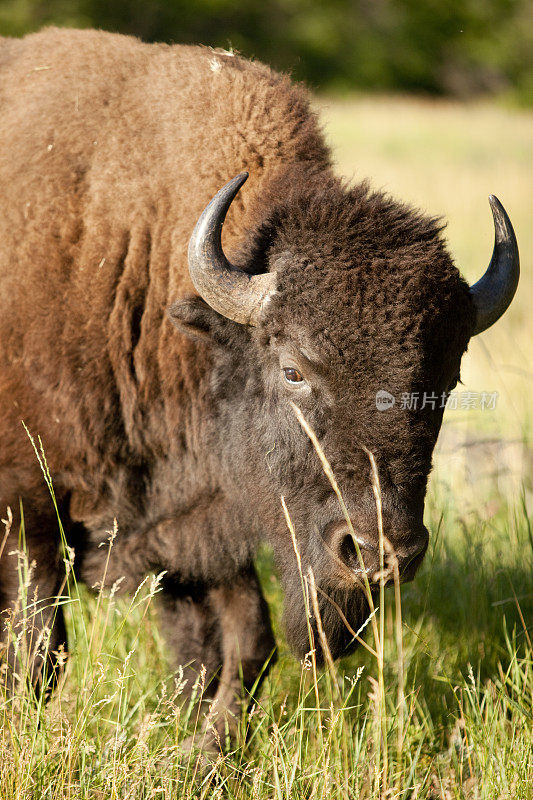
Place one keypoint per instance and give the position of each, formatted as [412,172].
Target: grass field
[445,710]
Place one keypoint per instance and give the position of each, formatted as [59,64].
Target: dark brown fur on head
[367,299]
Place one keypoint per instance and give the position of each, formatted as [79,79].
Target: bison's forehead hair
[357,265]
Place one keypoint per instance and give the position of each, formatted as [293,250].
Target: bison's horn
[230,291]
[492,294]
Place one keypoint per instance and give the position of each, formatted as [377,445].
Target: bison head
[337,298]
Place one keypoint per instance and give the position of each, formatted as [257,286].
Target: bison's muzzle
[360,554]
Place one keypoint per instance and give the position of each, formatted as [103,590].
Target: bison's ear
[192,316]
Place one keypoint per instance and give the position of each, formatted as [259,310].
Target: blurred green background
[460,48]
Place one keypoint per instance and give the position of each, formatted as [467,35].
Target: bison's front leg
[191,628]
[228,631]
[248,650]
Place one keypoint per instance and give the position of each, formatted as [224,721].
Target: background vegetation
[452,47]
[444,707]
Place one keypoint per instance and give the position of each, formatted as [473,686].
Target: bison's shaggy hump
[112,135]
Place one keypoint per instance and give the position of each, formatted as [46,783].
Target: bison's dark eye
[292,375]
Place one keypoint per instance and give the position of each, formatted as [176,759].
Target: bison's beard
[342,614]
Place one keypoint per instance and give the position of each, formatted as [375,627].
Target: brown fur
[109,150]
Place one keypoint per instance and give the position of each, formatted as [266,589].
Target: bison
[164,370]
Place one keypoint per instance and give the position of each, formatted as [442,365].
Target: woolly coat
[109,150]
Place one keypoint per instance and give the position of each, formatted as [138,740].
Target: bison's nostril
[351,548]
[348,551]
[367,559]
